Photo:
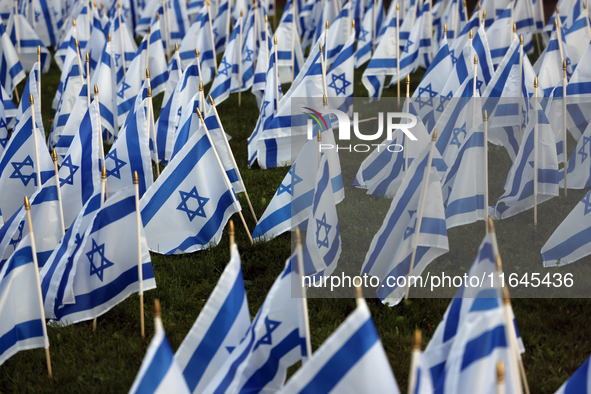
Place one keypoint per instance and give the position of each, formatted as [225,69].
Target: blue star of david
[407,46]
[102,265]
[201,201]
[447,198]
[247,57]
[587,201]
[3,131]
[270,326]
[73,168]
[117,57]
[479,84]
[410,230]
[37,15]
[224,67]
[524,117]
[442,101]
[456,137]
[322,224]
[124,11]
[215,33]
[14,242]
[124,87]
[118,164]
[343,88]
[454,59]
[363,34]
[264,107]
[586,140]
[430,92]
[294,181]
[16,174]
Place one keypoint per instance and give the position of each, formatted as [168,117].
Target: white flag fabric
[18,166]
[372,22]
[12,73]
[200,36]
[159,373]
[219,328]
[107,89]
[21,318]
[570,241]
[105,267]
[29,41]
[191,199]
[352,360]
[63,133]
[579,164]
[273,342]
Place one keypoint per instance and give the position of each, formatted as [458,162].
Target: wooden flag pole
[79,60]
[500,377]
[233,159]
[421,209]
[231,234]
[240,62]
[228,184]
[198,63]
[88,77]
[397,51]
[323,66]
[166,27]
[121,38]
[536,151]
[201,97]
[485,119]
[325,46]
[483,22]
[515,355]
[103,198]
[414,361]
[319,134]
[178,59]
[565,137]
[152,128]
[276,69]
[139,250]
[587,17]
[39,67]
[300,254]
[474,89]
[34,253]
[520,84]
[100,127]
[148,42]
[256,32]
[37,167]
[215,60]
[407,110]
[59,190]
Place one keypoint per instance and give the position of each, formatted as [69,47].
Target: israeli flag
[569,242]
[9,108]
[105,267]
[290,57]
[104,79]
[190,124]
[338,33]
[165,121]
[342,75]
[480,48]
[391,248]
[122,46]
[159,373]
[221,26]
[293,201]
[62,133]
[12,73]
[45,217]
[191,199]
[18,166]
[4,121]
[463,188]
[56,271]
[219,328]
[29,41]
[273,342]
[578,382]
[551,72]
[499,35]
[21,318]
[329,13]
[200,36]
[43,21]
[148,12]
[473,335]
[74,85]
[80,173]
[577,36]
[262,67]
[193,8]
[369,30]
[519,185]
[98,39]
[178,23]
[31,88]
[70,61]
[351,360]
[523,16]
[323,237]
[579,164]
[130,153]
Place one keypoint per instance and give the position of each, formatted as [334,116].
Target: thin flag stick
[100,127]
[201,97]
[421,207]
[166,29]
[228,184]
[323,71]
[148,43]
[407,110]
[559,36]
[474,89]
[565,137]
[121,37]
[231,234]
[240,62]
[397,52]
[515,355]
[520,83]
[178,59]
[536,151]
[215,111]
[276,68]
[34,253]
[139,250]
[587,17]
[414,361]
[59,190]
[79,60]
[215,60]
[88,77]
[485,119]
[39,68]
[198,63]
[152,129]
[500,377]
[325,45]
[304,299]
[37,168]
[256,32]
[103,198]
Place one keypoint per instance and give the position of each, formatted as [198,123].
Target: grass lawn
[554,330]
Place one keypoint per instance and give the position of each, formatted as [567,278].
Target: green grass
[554,329]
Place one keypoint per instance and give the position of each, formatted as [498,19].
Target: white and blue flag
[62,134]
[200,36]
[369,30]
[105,80]
[500,35]
[578,382]
[12,72]
[29,41]
[122,45]
[219,328]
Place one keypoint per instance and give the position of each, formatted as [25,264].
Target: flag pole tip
[135,178]
[397,6]
[109,37]
[200,86]
[38,49]
[500,372]
[95,89]
[87,58]
[521,39]
[535,82]
[445,29]
[147,73]
[104,173]
[485,116]
[564,64]
[157,311]
[417,339]
[434,136]
[359,293]
[475,59]
[199,113]
[326,25]
[27,203]
[54,155]
[324,100]
[211,100]
[241,13]
[31,99]
[76,42]
[408,79]
[514,28]
[149,91]
[275,40]
[471,35]
[176,46]
[74,22]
